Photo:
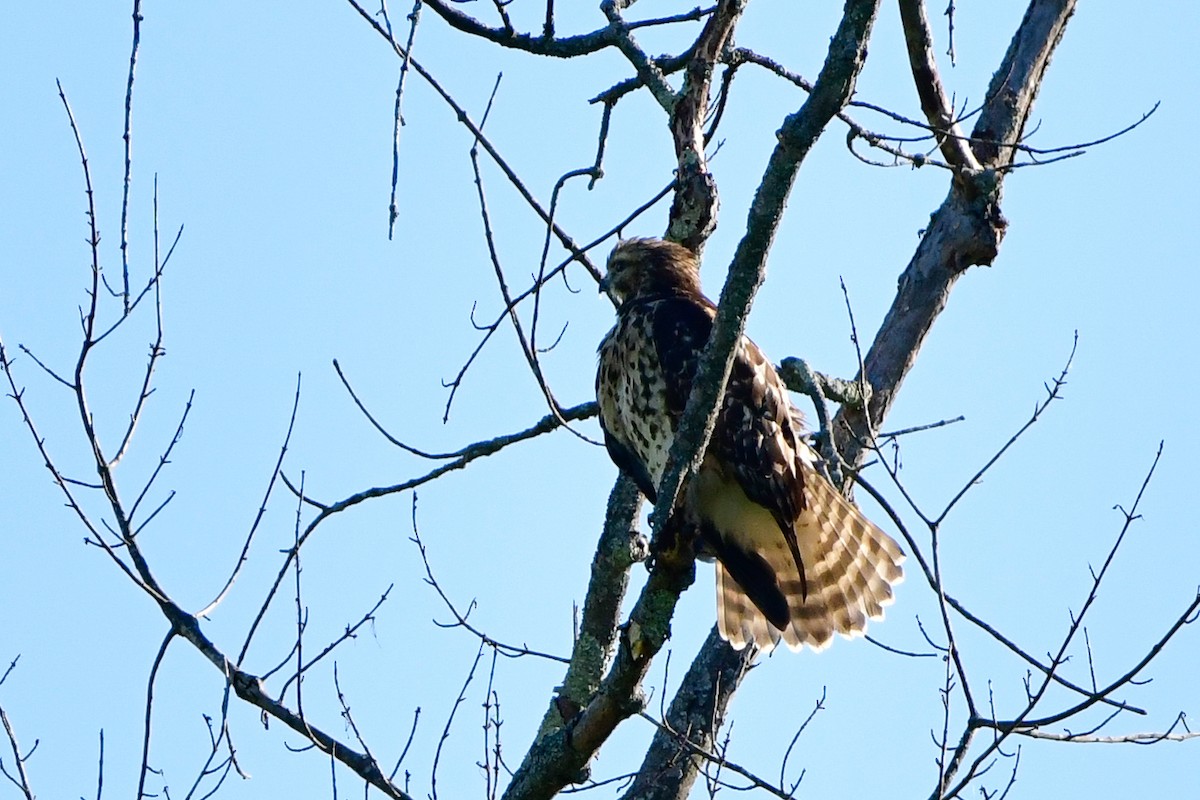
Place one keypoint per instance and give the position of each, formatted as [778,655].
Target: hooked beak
[604,284]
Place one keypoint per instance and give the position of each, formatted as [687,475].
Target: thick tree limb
[966,230]
[619,548]
[697,711]
[934,102]
[1016,83]
[832,90]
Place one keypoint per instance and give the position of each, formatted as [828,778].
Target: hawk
[794,559]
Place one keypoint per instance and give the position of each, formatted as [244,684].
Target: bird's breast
[632,392]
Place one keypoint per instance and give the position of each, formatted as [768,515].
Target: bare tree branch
[694,209]
[465,118]
[692,721]
[127,137]
[546,44]
[966,230]
[934,102]
[414,18]
[1015,85]
[21,780]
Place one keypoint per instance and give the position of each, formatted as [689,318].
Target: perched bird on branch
[795,559]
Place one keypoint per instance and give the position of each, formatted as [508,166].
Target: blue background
[268,127]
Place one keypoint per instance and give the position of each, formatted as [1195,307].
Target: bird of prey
[795,559]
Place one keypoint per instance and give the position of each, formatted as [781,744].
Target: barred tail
[850,566]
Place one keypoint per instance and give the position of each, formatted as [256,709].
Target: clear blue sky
[268,127]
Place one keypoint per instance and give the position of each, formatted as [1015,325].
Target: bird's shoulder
[667,319]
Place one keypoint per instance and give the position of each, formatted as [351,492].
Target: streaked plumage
[795,560]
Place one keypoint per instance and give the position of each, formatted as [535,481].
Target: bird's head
[645,267]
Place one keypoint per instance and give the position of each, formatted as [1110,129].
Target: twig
[156,348]
[100,768]
[819,706]
[45,368]
[158,659]
[398,121]
[885,435]
[602,140]
[462,457]
[1022,721]
[950,32]
[244,556]
[12,665]
[648,71]
[526,344]
[462,695]
[465,118]
[411,733]
[460,620]
[346,715]
[491,719]
[545,43]
[721,762]
[18,395]
[468,454]
[540,280]
[163,460]
[212,766]
[898,651]
[137,35]
[626,779]
[1034,151]
[301,613]
[22,779]
[1053,392]
[975,620]
[740,55]
[351,632]
[491,328]
[1125,738]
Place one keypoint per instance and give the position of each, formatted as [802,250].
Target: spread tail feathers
[850,567]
